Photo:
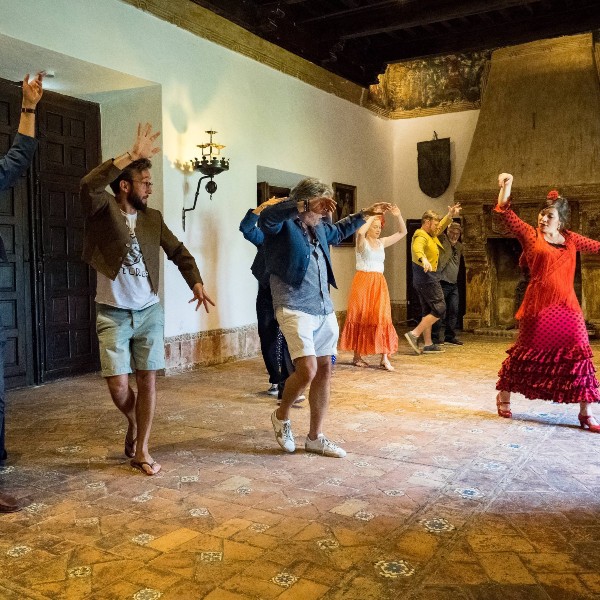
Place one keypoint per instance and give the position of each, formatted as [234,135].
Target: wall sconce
[211,165]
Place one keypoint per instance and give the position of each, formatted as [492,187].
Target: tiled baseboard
[192,351]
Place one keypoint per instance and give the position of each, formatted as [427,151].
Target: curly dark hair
[137,166]
[562,207]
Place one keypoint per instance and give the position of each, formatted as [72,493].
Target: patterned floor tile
[438,498]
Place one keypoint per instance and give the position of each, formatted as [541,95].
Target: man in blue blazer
[12,165]
[297,258]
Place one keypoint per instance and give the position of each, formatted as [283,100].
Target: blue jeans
[448,322]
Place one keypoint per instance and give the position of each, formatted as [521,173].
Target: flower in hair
[552,195]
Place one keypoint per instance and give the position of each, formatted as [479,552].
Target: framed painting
[345,197]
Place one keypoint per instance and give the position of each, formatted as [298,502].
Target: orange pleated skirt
[369,328]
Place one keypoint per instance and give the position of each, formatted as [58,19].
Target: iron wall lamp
[210,165]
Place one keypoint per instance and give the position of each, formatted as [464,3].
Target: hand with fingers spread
[269,202]
[143,146]
[201,297]
[454,209]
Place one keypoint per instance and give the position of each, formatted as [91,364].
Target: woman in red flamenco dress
[552,358]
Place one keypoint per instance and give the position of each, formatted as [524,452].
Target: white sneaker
[324,446]
[273,390]
[283,433]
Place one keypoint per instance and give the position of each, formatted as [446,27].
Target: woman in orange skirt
[369,328]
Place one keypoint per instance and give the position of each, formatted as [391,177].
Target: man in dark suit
[12,166]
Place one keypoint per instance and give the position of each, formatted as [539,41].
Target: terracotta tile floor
[438,497]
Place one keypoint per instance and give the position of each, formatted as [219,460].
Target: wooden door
[15,275]
[69,131]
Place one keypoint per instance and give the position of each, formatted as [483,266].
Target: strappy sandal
[360,363]
[507,414]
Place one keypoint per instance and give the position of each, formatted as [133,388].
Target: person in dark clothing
[12,166]
[273,346]
[448,266]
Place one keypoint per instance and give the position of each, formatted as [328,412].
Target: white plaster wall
[264,118]
[459,127]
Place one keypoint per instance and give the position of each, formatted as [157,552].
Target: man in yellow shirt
[425,250]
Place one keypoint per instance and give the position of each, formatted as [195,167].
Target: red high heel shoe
[507,414]
[585,420]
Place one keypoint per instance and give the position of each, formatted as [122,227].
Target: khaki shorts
[130,339]
[308,335]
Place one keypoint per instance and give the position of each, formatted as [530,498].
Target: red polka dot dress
[552,358]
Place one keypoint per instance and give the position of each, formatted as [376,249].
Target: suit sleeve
[272,217]
[16,160]
[337,232]
[179,254]
[250,230]
[92,192]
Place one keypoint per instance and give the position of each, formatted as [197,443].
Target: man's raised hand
[143,146]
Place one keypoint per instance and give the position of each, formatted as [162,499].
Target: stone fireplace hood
[540,121]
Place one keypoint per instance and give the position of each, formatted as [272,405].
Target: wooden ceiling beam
[382,21]
[493,36]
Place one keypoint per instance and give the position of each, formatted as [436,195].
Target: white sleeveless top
[370,260]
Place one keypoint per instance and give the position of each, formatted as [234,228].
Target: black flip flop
[140,467]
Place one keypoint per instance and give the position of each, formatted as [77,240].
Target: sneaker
[413,340]
[283,433]
[454,342]
[273,390]
[324,447]
[298,400]
[433,349]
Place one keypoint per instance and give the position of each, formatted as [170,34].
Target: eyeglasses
[148,184]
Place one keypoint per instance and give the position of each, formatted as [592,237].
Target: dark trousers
[2,396]
[449,321]
[272,343]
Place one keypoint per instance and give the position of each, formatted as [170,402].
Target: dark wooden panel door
[69,148]
[15,288]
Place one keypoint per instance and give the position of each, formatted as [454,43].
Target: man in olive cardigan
[123,238]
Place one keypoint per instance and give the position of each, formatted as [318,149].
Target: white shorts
[308,335]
